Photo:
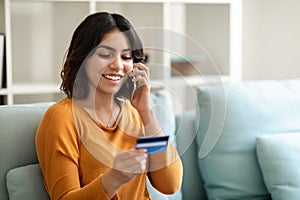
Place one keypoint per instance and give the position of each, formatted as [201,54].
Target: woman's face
[107,69]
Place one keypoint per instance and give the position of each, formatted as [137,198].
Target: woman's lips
[112,77]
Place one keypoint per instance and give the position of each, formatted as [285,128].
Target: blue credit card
[153,144]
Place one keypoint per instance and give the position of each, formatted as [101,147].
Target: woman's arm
[165,168]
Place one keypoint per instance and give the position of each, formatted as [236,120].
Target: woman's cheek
[128,66]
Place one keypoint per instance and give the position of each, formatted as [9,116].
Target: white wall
[209,25]
[2,17]
[271,44]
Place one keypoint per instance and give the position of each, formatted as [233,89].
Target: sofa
[241,142]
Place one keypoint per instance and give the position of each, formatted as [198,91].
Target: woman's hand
[126,166]
[140,98]
[130,164]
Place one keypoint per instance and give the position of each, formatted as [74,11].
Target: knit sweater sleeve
[57,145]
[166,170]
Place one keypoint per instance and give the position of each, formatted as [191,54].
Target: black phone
[128,88]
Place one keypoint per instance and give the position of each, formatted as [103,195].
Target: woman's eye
[102,55]
[126,57]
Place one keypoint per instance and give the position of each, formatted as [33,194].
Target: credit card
[153,144]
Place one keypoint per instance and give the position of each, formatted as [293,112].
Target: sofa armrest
[18,125]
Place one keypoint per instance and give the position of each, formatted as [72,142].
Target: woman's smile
[113,77]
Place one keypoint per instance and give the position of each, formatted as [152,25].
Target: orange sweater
[74,151]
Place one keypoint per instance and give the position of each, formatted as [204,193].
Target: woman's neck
[102,107]
[101,102]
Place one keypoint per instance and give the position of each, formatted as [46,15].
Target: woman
[85,142]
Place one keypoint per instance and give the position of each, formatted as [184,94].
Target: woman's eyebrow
[126,50]
[112,49]
[106,47]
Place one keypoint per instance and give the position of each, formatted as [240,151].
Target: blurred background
[230,40]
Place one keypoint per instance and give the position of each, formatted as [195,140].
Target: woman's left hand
[140,98]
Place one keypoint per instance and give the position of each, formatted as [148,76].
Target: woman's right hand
[126,166]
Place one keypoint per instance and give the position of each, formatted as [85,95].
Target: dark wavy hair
[84,40]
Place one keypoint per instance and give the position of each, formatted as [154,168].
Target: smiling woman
[93,131]
[113,61]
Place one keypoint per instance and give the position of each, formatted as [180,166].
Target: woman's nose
[117,64]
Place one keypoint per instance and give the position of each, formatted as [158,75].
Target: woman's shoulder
[62,104]
[61,108]
[57,123]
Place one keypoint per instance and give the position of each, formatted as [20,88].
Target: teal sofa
[20,174]
[241,142]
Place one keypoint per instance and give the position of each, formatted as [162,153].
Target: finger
[133,164]
[140,82]
[131,154]
[139,67]
[137,166]
[139,73]
[140,150]
[140,77]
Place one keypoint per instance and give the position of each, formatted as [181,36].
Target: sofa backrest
[232,116]
[192,185]
[18,125]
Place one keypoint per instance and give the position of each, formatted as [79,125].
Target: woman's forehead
[116,40]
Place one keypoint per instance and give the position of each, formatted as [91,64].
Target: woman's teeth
[112,77]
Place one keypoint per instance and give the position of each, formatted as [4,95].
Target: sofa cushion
[231,117]
[18,125]
[162,104]
[279,159]
[26,183]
